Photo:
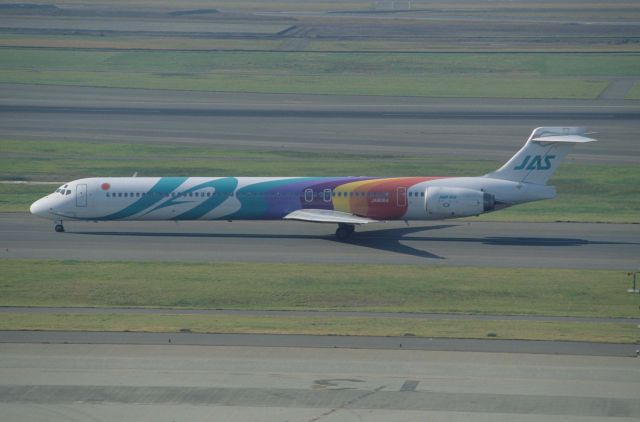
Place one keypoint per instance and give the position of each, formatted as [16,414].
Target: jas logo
[536,163]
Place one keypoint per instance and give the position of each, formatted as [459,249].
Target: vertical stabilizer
[539,158]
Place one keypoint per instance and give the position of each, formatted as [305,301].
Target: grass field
[547,8]
[634,93]
[577,184]
[420,74]
[444,44]
[317,287]
[523,330]
[251,286]
[134,43]
[317,64]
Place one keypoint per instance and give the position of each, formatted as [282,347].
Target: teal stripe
[156,194]
[223,190]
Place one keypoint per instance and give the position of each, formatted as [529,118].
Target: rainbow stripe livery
[346,201]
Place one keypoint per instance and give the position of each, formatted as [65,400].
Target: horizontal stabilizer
[327,216]
[576,139]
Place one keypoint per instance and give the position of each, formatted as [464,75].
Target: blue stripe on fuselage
[156,194]
[223,188]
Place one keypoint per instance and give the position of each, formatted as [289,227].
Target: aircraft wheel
[59,228]
[344,231]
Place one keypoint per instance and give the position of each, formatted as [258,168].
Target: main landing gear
[344,231]
[59,227]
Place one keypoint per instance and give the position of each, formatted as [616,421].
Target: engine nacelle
[445,202]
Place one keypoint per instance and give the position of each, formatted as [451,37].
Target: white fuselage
[202,198]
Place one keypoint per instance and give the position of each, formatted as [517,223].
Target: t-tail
[539,158]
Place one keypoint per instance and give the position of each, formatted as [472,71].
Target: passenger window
[125,194]
[108,194]
[119,194]
[421,193]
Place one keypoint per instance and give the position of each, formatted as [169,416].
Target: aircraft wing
[327,216]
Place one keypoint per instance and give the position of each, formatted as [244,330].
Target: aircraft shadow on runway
[390,240]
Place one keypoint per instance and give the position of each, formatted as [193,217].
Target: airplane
[345,201]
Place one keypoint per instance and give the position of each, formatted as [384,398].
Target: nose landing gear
[344,231]
[59,227]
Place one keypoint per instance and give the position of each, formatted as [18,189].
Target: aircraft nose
[40,208]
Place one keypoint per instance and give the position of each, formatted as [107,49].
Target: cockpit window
[63,190]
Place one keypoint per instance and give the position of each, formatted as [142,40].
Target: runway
[61,382]
[558,245]
[447,127]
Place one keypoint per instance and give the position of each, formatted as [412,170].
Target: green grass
[63,160]
[136,42]
[317,64]
[406,288]
[438,45]
[634,93]
[577,184]
[380,45]
[18,198]
[501,75]
[524,330]
[441,86]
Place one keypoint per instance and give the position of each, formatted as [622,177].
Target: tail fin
[539,158]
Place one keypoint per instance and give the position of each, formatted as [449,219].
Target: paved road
[532,245]
[61,382]
[484,128]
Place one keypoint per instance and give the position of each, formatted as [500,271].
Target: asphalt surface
[527,245]
[486,128]
[62,382]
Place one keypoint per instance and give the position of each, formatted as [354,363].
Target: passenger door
[81,195]
[402,197]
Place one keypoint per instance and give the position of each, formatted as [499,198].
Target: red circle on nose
[105,186]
